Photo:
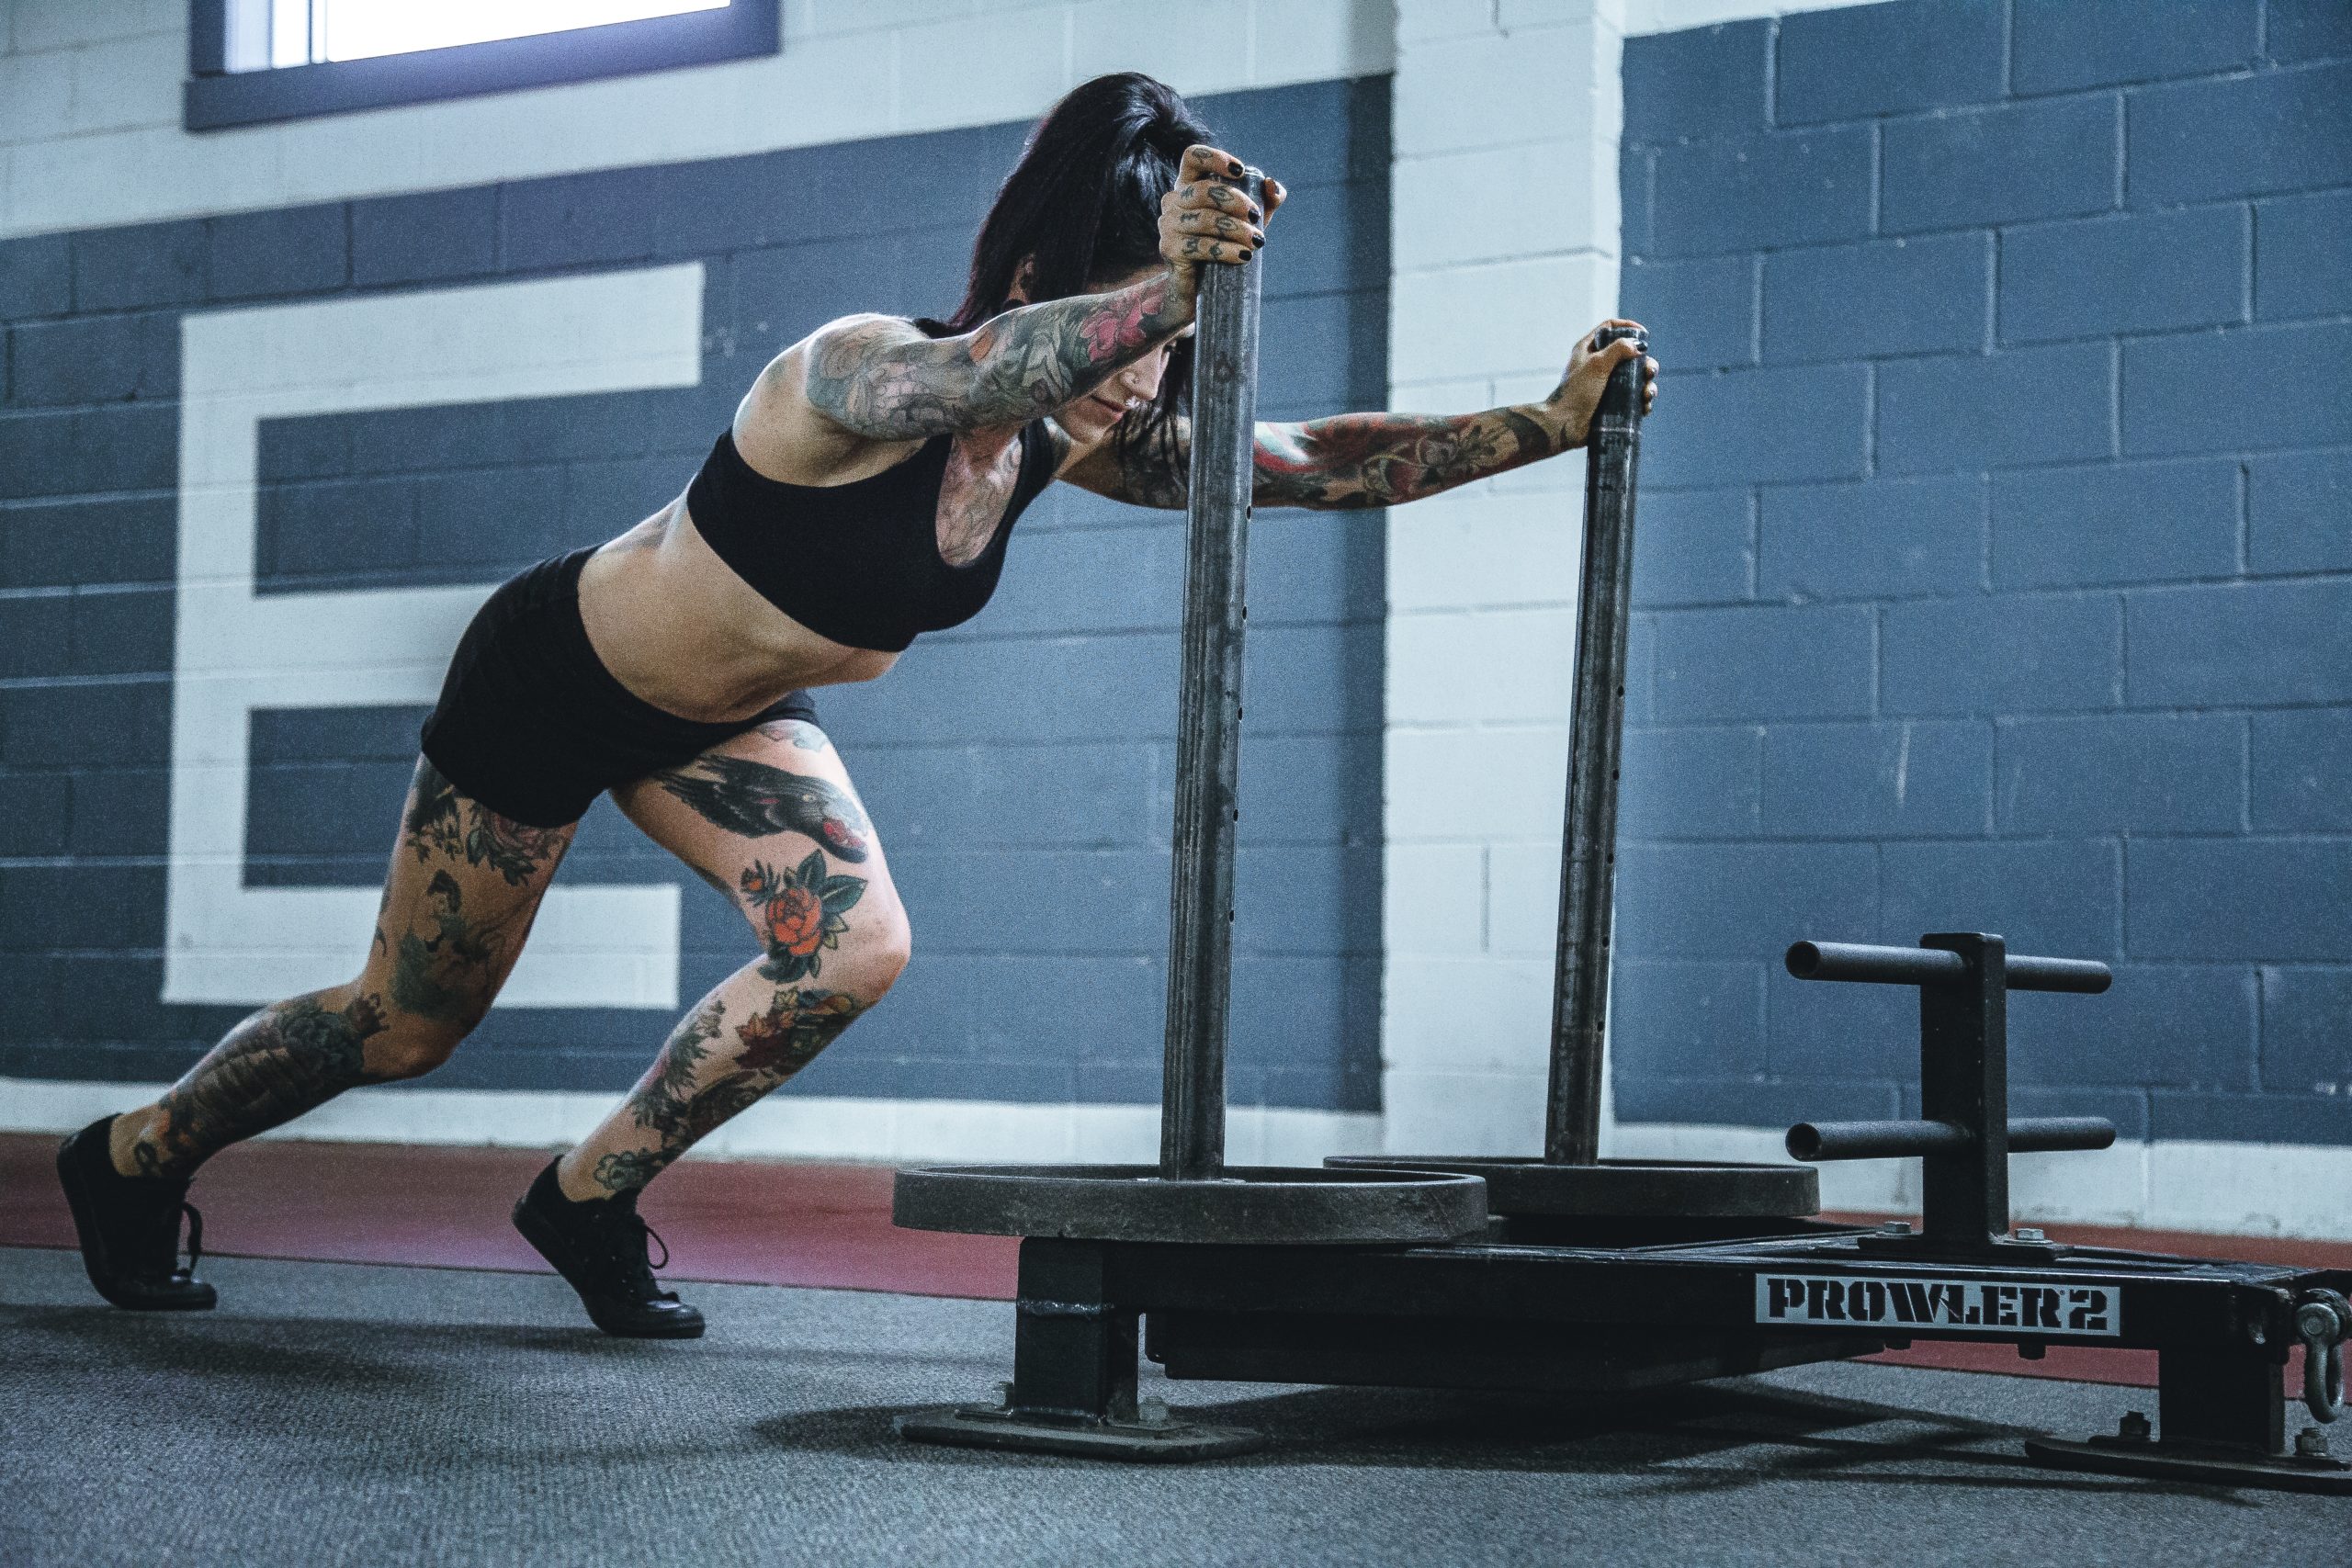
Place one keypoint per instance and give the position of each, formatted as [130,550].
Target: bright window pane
[360,30]
[289,33]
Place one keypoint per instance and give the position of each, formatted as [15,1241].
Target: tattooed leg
[440,822]
[279,1063]
[753,800]
[451,976]
[747,1037]
[463,887]
[822,906]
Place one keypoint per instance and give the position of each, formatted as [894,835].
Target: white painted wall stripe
[238,651]
[2207,1188]
[785,1126]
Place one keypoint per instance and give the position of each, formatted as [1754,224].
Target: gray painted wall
[1997,551]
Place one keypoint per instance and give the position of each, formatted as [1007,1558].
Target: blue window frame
[218,98]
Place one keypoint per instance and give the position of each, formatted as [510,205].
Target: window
[262,60]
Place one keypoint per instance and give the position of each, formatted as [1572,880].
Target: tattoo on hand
[757,801]
[444,822]
[882,379]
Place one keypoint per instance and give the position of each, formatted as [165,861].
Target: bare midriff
[678,627]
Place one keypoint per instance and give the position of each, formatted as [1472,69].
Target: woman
[863,496]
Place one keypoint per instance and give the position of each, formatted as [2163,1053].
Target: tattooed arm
[1349,460]
[1355,460]
[883,380]
[880,377]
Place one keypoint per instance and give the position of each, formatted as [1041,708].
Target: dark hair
[1082,207]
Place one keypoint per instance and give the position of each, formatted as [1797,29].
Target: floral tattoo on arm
[880,377]
[1351,460]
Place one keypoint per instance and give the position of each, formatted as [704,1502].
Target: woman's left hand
[1578,393]
[1208,218]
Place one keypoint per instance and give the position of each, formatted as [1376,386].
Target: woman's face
[1092,416]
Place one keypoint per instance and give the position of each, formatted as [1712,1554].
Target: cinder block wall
[1019,769]
[1996,551]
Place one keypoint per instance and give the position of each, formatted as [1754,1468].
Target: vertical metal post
[1589,846]
[1965,1079]
[2219,1396]
[1208,740]
[1073,1349]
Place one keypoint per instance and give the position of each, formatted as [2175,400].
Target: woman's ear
[1024,277]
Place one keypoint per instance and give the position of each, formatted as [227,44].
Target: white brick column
[1505,225]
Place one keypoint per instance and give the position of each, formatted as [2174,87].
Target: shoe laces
[195,1236]
[629,1241]
[169,1211]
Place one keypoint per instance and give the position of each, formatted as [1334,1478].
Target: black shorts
[532,725]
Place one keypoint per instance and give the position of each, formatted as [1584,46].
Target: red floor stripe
[765,1222]
[754,1223]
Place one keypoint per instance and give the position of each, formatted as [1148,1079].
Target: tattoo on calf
[680,1105]
[757,801]
[669,1084]
[630,1169]
[801,913]
[444,822]
[277,1063]
[800,1022]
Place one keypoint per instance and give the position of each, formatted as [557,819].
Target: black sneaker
[129,1227]
[600,1248]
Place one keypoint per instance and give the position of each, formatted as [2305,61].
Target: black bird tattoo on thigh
[757,802]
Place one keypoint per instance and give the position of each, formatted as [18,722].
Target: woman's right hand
[1208,218]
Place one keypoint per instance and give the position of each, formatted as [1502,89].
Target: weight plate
[1626,1187]
[1245,1206]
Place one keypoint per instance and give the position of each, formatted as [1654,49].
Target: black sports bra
[858,563]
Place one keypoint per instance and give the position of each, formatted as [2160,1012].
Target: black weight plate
[1245,1206]
[1631,1188]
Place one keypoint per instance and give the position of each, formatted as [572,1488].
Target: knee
[888,946]
[412,1048]
[417,1020]
[405,1044]
[867,944]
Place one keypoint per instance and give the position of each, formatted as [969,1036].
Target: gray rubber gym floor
[332,1413]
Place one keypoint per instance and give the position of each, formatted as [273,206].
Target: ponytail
[1081,208]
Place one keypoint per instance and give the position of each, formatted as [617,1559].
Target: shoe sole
[547,1244]
[86,1232]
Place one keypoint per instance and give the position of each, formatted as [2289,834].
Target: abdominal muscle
[678,627]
